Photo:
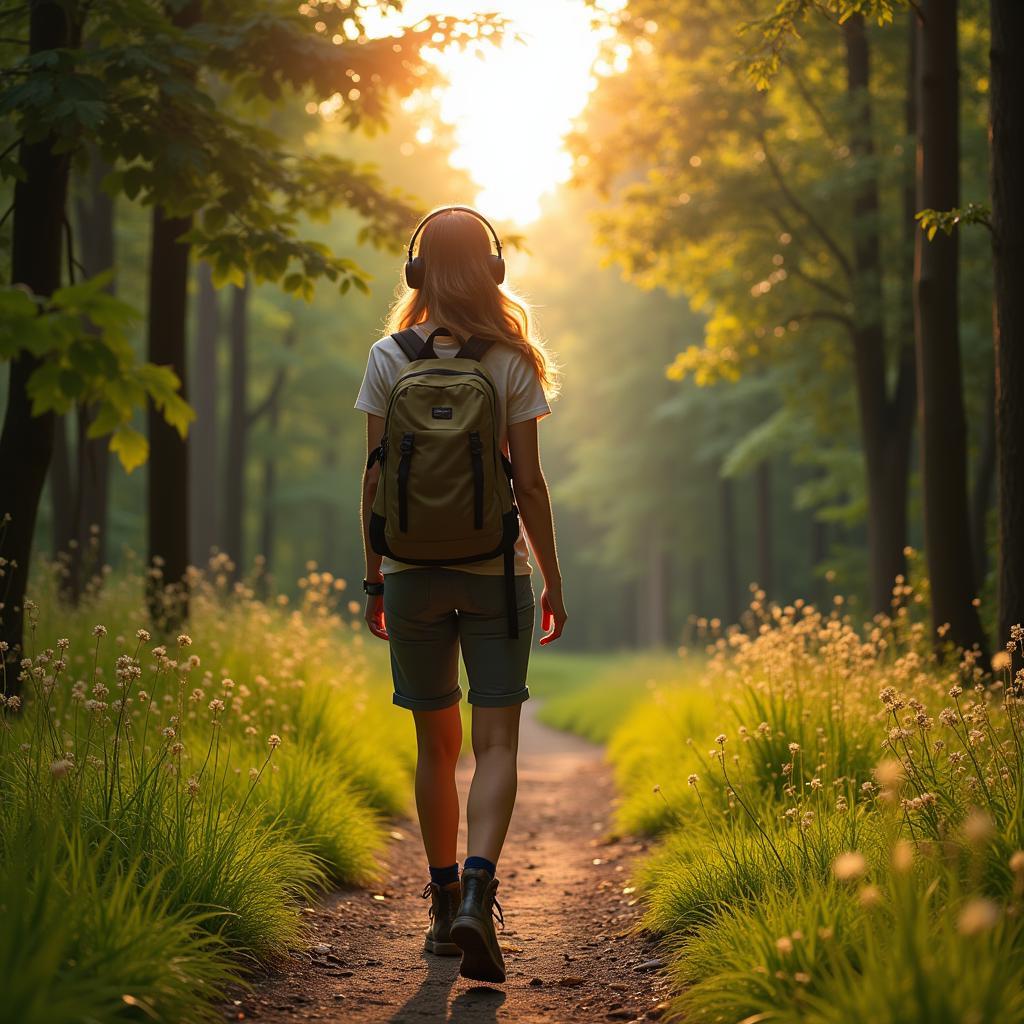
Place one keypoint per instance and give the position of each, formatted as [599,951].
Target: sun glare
[510,106]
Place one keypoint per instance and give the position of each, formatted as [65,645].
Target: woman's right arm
[534,503]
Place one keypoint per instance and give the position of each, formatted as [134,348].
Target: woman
[428,613]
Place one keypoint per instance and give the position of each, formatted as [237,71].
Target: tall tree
[204,437]
[236,454]
[936,327]
[886,418]
[167,478]
[26,443]
[1007,169]
[95,208]
[768,210]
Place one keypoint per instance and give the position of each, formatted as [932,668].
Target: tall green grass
[841,821]
[169,802]
[592,694]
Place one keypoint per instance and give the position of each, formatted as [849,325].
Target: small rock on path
[571,951]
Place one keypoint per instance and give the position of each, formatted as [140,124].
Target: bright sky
[510,111]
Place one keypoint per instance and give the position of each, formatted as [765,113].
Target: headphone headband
[448,209]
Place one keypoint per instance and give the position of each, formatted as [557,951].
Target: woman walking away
[452,398]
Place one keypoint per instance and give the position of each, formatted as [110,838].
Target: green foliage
[947,221]
[585,694]
[79,333]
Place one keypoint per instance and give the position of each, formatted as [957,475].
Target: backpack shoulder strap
[474,348]
[410,342]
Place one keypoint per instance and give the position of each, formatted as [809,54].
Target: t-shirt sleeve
[373,392]
[526,398]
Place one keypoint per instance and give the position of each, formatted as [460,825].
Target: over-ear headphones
[415,268]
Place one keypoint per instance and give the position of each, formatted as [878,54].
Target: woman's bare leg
[438,742]
[492,795]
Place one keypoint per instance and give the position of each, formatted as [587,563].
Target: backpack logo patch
[441,412]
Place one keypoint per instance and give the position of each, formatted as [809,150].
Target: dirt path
[568,907]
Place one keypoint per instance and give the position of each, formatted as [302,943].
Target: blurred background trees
[729,282]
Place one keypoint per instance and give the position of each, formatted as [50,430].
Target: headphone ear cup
[497,269]
[414,272]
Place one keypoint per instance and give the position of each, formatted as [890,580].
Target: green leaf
[131,447]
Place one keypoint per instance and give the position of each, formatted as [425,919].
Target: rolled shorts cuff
[427,703]
[498,700]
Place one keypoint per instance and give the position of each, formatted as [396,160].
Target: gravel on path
[572,950]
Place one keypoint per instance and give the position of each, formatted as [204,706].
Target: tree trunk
[62,498]
[203,440]
[92,478]
[981,492]
[1007,163]
[936,324]
[168,459]
[698,604]
[763,531]
[268,526]
[238,429]
[729,550]
[26,442]
[886,424]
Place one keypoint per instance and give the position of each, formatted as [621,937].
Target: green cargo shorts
[431,612]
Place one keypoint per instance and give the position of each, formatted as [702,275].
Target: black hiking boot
[444,902]
[473,928]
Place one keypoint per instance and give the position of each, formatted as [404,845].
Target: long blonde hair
[459,293]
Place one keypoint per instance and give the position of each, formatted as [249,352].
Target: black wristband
[374,589]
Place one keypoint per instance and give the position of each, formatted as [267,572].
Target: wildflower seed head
[273,741]
[184,640]
[143,635]
[849,866]
[977,916]
[692,779]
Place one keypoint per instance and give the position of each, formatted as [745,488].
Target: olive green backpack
[445,492]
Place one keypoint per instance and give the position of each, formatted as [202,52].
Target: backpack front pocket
[442,486]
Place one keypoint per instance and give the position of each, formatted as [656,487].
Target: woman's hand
[552,615]
[375,615]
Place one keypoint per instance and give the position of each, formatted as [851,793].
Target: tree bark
[92,477]
[168,459]
[764,531]
[982,491]
[936,328]
[886,422]
[268,526]
[1007,167]
[26,441]
[203,439]
[729,551]
[62,498]
[238,429]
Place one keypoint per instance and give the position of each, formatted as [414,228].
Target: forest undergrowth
[841,822]
[171,802]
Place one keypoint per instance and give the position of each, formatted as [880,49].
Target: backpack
[445,491]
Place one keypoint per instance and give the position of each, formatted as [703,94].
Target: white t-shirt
[520,398]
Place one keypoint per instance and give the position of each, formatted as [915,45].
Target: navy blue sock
[445,876]
[480,862]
